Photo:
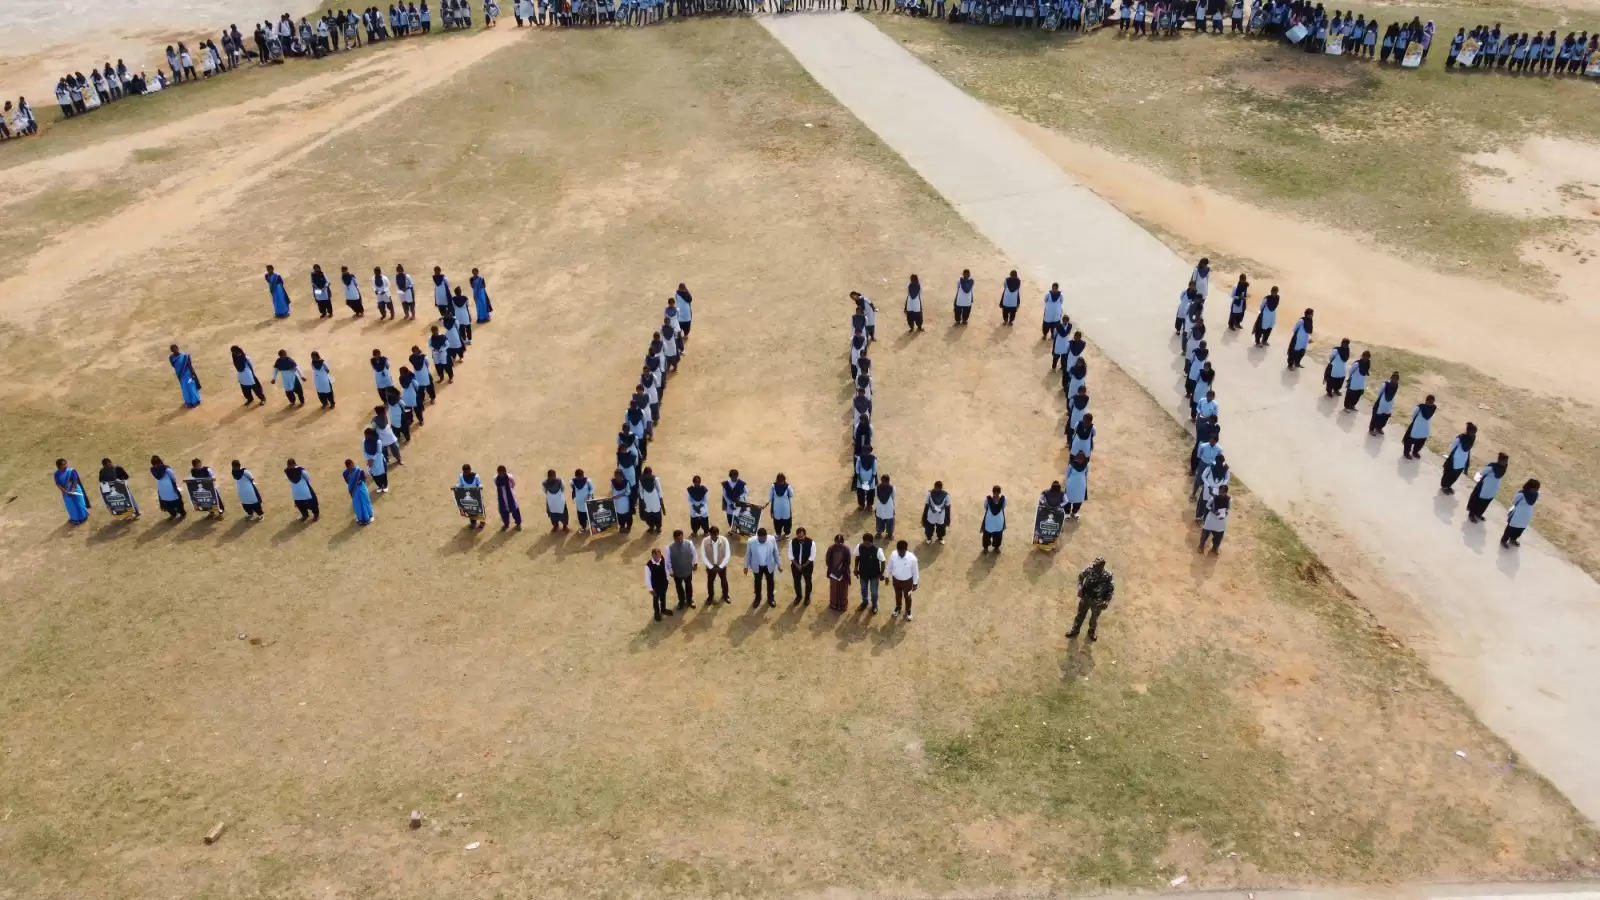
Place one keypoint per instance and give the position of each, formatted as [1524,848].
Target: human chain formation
[1345,378]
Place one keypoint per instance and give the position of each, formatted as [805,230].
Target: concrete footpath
[1514,633]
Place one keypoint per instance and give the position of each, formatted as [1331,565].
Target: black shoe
[690,604]
[668,612]
[1092,638]
[772,603]
[658,617]
[861,607]
[1073,633]
[756,604]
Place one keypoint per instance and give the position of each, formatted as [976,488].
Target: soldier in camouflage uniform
[1095,587]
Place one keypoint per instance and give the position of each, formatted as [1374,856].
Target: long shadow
[888,636]
[115,530]
[462,541]
[497,541]
[787,621]
[1038,563]
[199,528]
[290,529]
[854,627]
[700,619]
[744,625]
[653,633]
[550,541]
[240,526]
[346,533]
[981,568]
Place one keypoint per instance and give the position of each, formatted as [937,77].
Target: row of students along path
[1345,378]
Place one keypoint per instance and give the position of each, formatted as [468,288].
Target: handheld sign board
[1335,45]
[202,493]
[746,518]
[1413,57]
[469,501]
[1469,53]
[602,514]
[1047,523]
[1296,34]
[119,502]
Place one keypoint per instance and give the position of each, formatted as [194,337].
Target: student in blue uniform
[480,296]
[188,381]
[505,497]
[355,483]
[1333,374]
[733,490]
[622,501]
[1356,383]
[1083,437]
[1077,408]
[441,292]
[301,492]
[463,316]
[1417,432]
[699,507]
[408,292]
[321,292]
[280,296]
[1488,484]
[555,501]
[1061,340]
[1054,310]
[963,301]
[420,371]
[470,479]
[780,499]
[1215,521]
[381,287]
[197,469]
[685,304]
[883,508]
[284,368]
[249,495]
[245,372]
[439,346]
[73,494]
[1458,458]
[652,502]
[1383,405]
[1520,516]
[992,529]
[1266,318]
[914,304]
[936,513]
[1010,298]
[382,377]
[1077,484]
[1300,340]
[582,492]
[865,476]
[168,494]
[1238,304]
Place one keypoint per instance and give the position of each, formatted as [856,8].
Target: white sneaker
[895,614]
[908,617]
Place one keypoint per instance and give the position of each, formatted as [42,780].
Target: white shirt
[903,567]
[692,555]
[716,552]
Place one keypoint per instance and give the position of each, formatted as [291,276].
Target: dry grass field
[1240,722]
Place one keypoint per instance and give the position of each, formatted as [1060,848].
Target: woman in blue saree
[73,495]
[188,381]
[480,294]
[355,479]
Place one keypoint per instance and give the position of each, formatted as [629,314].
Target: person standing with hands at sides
[1266,317]
[1201,278]
[652,505]
[1239,303]
[1383,405]
[470,479]
[505,497]
[424,377]
[1520,515]
[685,309]
[655,581]
[110,473]
[352,291]
[280,296]
[993,530]
[1300,340]
[1458,458]
[761,557]
[408,293]
[249,495]
[377,466]
[780,497]
[1010,298]
[439,346]
[1078,407]
[1187,298]
[301,492]
[699,508]
[1083,437]
[380,291]
[188,381]
[914,304]
[733,491]
[936,515]
[883,508]
[1076,377]
[249,384]
[622,501]
[582,492]
[1417,432]
[1061,341]
[1356,384]
[287,369]
[963,303]
[1095,588]
[1077,484]
[681,563]
[717,554]
[869,567]
[867,313]
[480,296]
[1212,478]
[441,292]
[168,495]
[76,498]
[1333,374]
[858,347]
[463,315]
[382,377]
[904,576]
[1214,524]
[836,563]
[1488,484]
[355,483]
[802,561]
[1054,308]
[321,291]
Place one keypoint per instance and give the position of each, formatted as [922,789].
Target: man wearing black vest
[802,560]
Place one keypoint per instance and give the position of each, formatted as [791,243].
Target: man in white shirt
[904,575]
[761,556]
[715,554]
[681,563]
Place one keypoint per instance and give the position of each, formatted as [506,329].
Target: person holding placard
[198,470]
[733,491]
[114,479]
[469,480]
[73,495]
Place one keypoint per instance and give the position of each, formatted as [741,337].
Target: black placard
[1047,523]
[746,517]
[602,514]
[119,502]
[202,493]
[469,501]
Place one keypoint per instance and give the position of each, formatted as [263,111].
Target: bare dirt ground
[1240,722]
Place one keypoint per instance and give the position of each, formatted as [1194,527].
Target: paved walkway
[1513,633]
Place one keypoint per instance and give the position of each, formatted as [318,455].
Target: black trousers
[445,369]
[1008,314]
[913,319]
[782,527]
[658,601]
[1235,320]
[624,522]
[1476,507]
[1412,446]
[1447,481]
[1379,421]
[992,539]
[296,394]
[652,520]
[253,509]
[1261,336]
[802,578]
[325,307]
[325,398]
[930,531]
[862,498]
[253,391]
[698,524]
[308,508]
[685,587]
[1216,544]
[763,574]
[712,575]
[1352,396]
[963,313]
[1085,608]
[1295,356]
[1510,534]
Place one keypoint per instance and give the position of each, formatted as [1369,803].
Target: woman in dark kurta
[837,563]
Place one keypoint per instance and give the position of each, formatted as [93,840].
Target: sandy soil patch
[1543,176]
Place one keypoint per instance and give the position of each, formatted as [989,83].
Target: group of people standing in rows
[1537,53]
[1345,378]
